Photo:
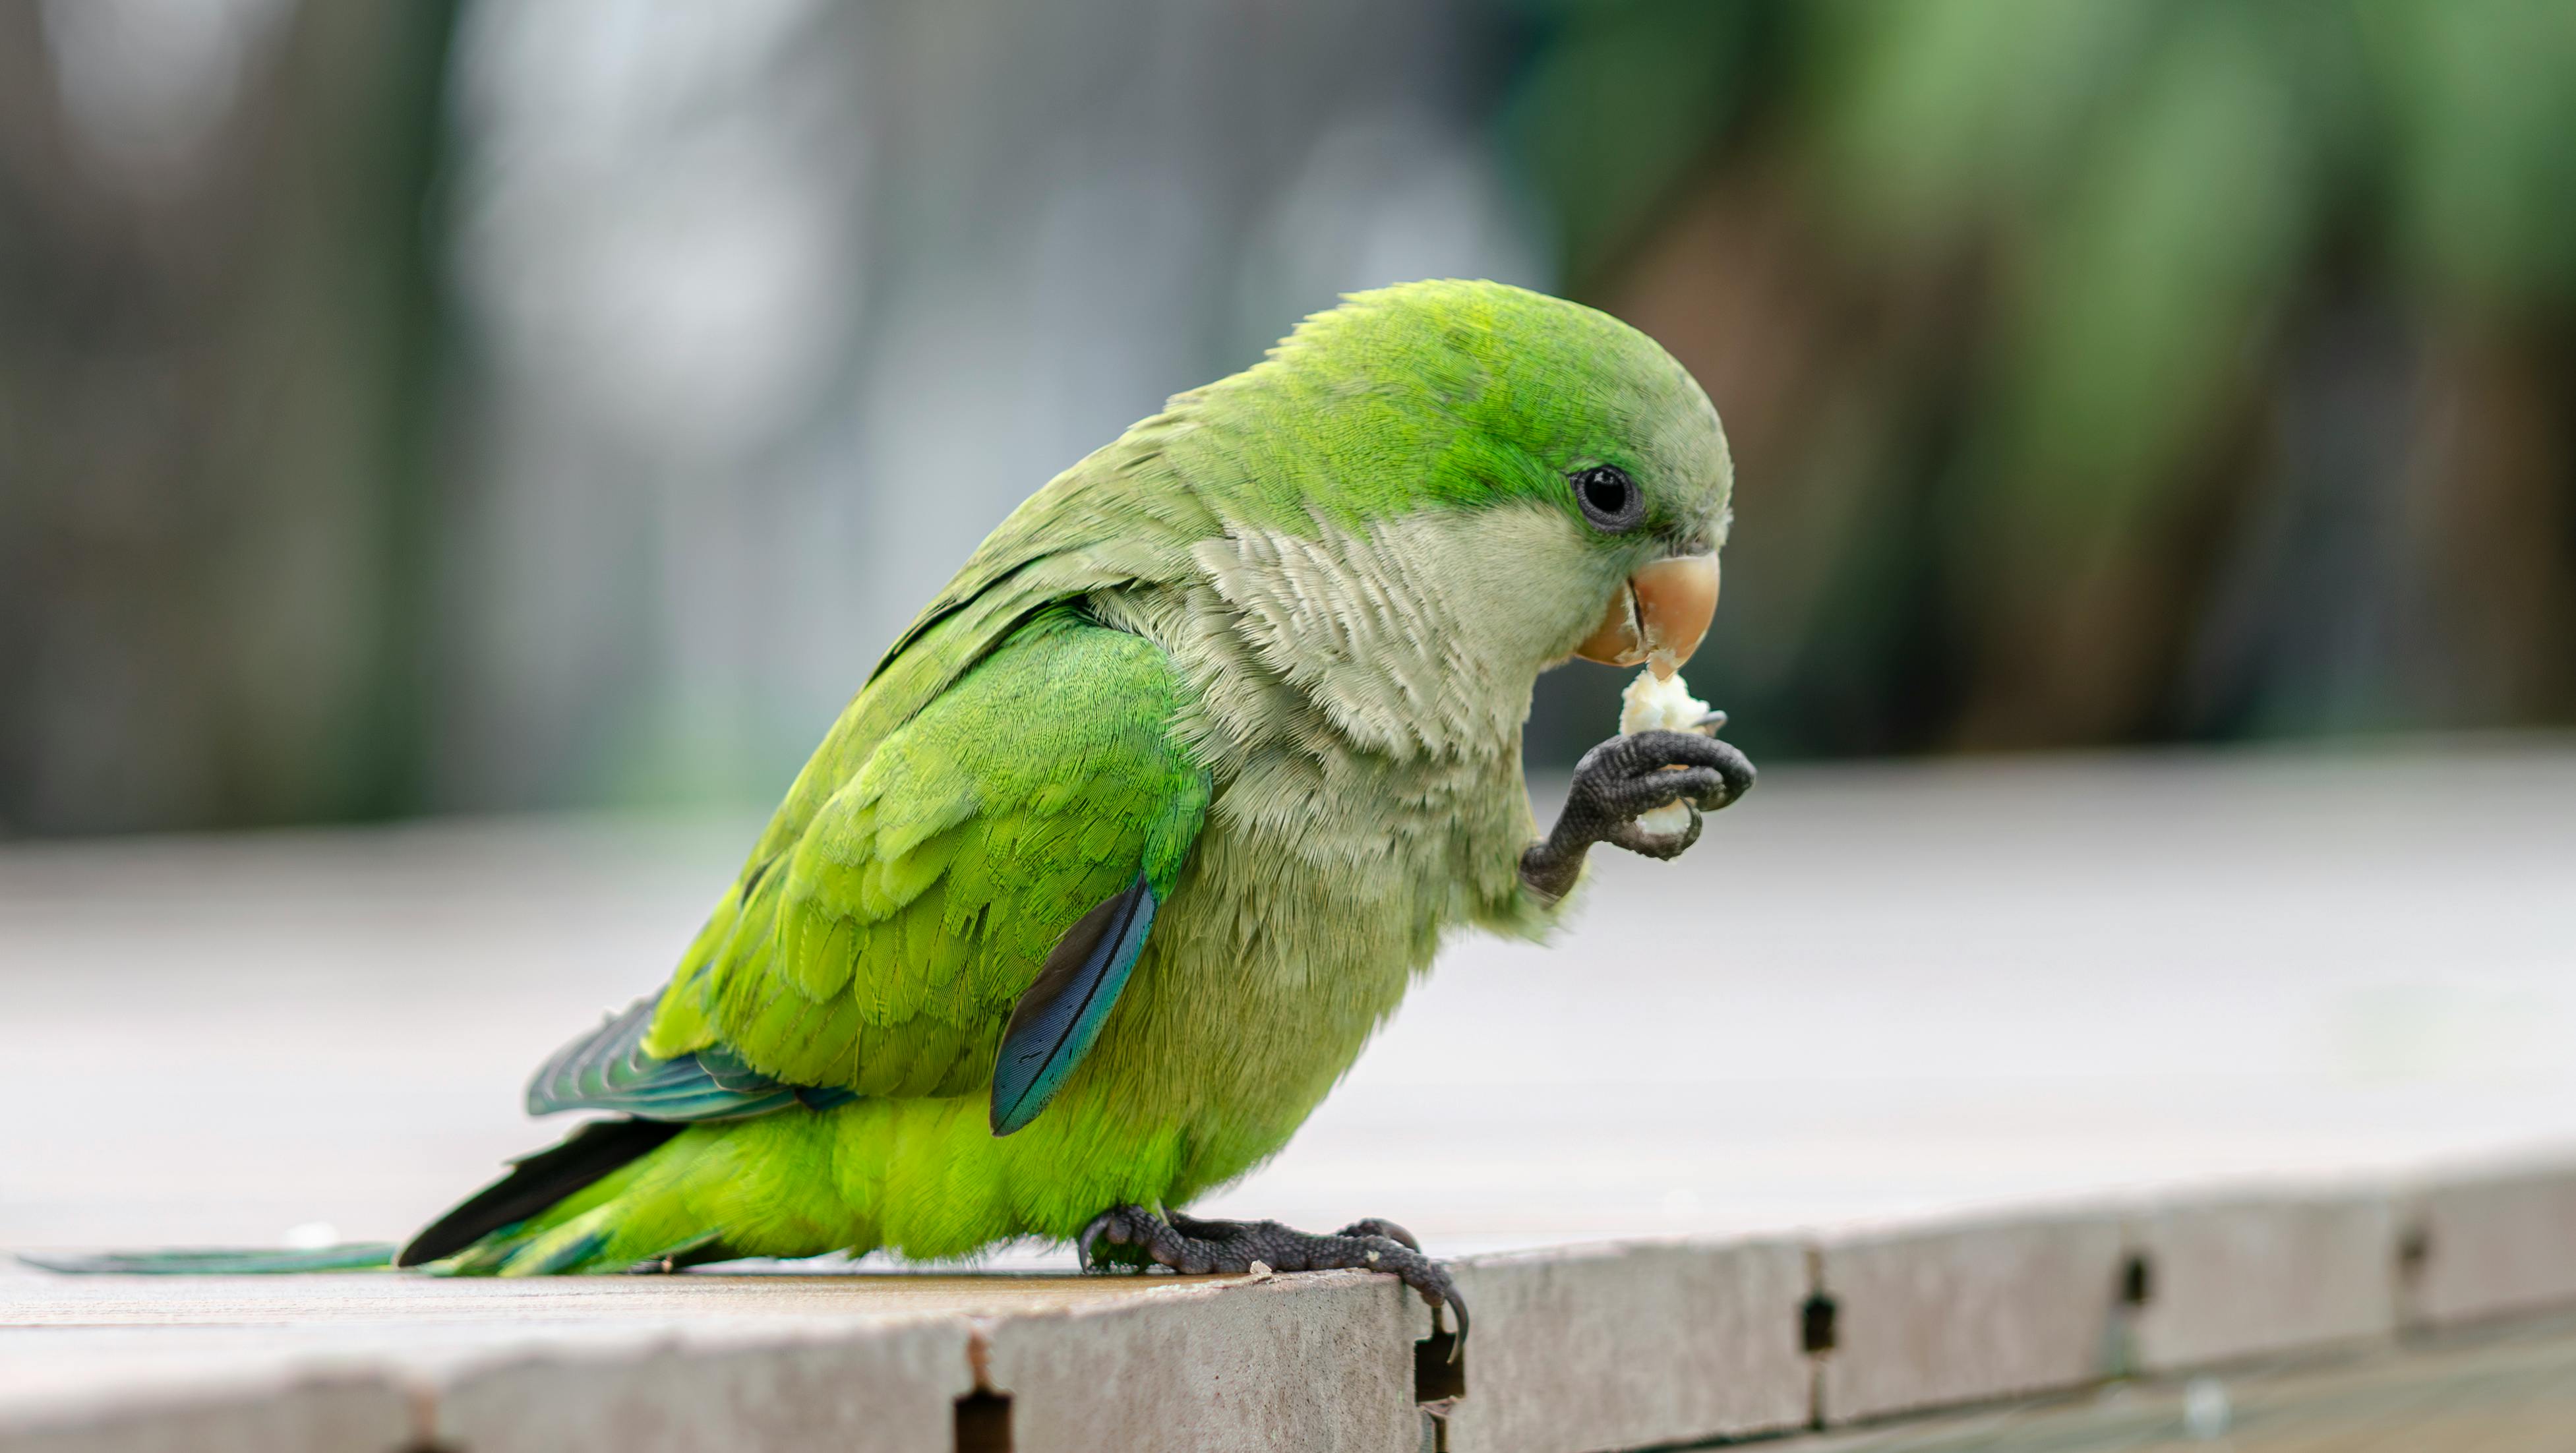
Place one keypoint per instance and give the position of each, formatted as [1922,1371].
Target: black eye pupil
[1609,497]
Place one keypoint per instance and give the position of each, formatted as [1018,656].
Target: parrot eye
[1610,499]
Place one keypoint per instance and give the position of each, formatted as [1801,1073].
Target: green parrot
[1149,818]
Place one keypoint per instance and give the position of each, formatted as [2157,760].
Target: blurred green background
[433,406]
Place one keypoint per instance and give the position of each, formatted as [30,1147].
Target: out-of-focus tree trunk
[215,402]
[2494,517]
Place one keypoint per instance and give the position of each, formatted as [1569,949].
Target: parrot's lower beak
[1658,617]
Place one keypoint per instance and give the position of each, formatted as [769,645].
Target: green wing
[882,949]
[1119,518]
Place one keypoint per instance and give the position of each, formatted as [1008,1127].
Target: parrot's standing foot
[1186,1244]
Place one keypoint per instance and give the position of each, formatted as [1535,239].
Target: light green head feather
[1467,395]
[1400,491]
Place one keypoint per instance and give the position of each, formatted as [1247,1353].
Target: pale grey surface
[735,1362]
[848,1386]
[1632,1346]
[2242,1278]
[1870,992]
[2510,1390]
[743,1363]
[248,1408]
[1941,1315]
[1322,1361]
[2494,1246]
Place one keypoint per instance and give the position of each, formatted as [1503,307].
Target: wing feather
[1056,1022]
[607,1069]
[883,949]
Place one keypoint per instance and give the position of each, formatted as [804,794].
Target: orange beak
[1658,617]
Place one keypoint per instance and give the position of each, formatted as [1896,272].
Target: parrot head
[1567,476]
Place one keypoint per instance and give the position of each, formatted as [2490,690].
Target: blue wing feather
[1056,1021]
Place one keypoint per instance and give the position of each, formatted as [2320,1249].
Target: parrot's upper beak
[1658,617]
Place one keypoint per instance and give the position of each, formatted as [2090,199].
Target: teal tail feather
[483,1236]
[227,1261]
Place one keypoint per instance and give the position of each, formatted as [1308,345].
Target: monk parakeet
[1150,817]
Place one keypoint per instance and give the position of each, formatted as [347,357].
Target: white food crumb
[1660,704]
[1260,1271]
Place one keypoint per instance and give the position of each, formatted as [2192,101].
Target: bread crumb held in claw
[1649,705]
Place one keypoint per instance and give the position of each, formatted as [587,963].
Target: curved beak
[1658,617]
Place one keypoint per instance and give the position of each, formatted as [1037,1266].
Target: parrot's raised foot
[1629,775]
[1131,1236]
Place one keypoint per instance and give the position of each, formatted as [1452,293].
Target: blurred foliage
[476,406]
[216,325]
[2109,371]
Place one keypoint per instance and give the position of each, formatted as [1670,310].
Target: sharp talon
[1709,725]
[1116,1227]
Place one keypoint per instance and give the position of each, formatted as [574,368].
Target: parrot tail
[628,1195]
[484,1234]
[537,1183]
[248,1261]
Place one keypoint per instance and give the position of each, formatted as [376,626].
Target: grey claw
[1115,1227]
[1661,846]
[1709,725]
